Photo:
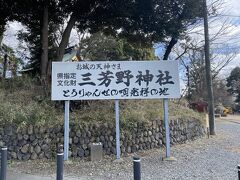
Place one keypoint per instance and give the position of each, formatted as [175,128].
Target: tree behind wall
[40,24]
[151,21]
[9,61]
[233,83]
[101,47]
[140,21]
[197,89]
[197,79]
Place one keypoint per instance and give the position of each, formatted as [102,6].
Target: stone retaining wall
[41,142]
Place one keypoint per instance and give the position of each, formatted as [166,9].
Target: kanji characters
[106,78]
[86,80]
[124,75]
[144,78]
[164,78]
[113,80]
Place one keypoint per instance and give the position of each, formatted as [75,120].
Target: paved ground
[21,176]
[204,159]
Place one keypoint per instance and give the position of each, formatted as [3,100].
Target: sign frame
[115,80]
[171,77]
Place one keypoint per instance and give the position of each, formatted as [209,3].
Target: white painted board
[115,80]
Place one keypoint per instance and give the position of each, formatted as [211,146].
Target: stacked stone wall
[33,142]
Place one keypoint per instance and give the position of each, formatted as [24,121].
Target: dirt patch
[233,149]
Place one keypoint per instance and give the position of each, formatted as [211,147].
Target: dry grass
[24,102]
[132,111]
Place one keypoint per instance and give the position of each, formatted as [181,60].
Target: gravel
[204,159]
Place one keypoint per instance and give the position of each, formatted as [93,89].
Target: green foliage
[147,21]
[5,8]
[136,52]
[12,63]
[233,82]
[101,47]
[142,22]
[30,14]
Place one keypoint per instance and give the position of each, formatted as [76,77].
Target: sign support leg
[66,130]
[167,130]
[117,129]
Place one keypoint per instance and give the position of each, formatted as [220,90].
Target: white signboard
[115,80]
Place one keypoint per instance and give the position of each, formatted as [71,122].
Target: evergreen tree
[101,47]
[139,21]
[233,82]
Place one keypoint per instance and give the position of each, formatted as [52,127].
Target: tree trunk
[5,66]
[65,38]
[44,43]
[169,48]
[1,38]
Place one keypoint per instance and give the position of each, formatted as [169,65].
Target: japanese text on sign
[115,80]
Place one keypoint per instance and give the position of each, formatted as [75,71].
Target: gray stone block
[96,151]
